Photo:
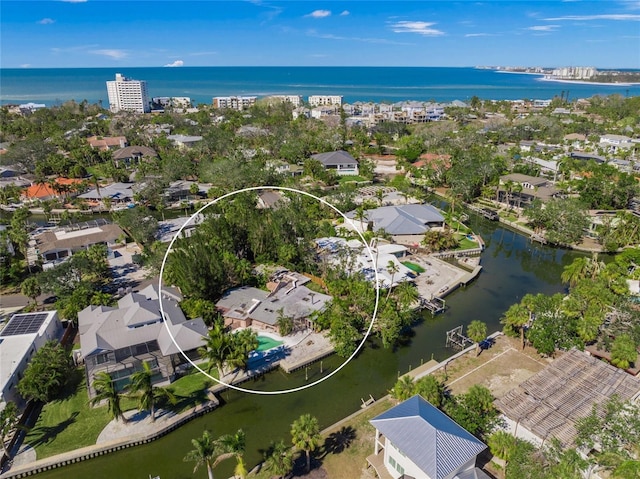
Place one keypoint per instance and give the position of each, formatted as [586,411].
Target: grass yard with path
[68,423]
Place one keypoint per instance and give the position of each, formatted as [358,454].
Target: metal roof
[428,437]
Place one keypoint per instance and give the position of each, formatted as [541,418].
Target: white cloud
[111,53]
[543,28]
[46,21]
[345,13]
[177,63]
[608,16]
[421,28]
[469,35]
[25,65]
[319,14]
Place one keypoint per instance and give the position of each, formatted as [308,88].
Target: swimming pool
[265,343]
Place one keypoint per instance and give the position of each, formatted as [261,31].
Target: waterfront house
[352,256]
[247,306]
[20,338]
[339,161]
[117,193]
[60,188]
[118,340]
[415,439]
[525,188]
[406,223]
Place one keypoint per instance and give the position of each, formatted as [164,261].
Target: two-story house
[415,439]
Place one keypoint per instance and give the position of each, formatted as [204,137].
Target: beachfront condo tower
[127,94]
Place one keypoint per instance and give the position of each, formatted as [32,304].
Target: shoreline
[560,80]
[584,82]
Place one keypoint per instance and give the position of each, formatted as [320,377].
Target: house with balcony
[339,161]
[118,340]
[415,439]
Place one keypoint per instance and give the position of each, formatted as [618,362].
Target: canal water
[512,267]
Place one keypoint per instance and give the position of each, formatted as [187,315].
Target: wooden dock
[289,365]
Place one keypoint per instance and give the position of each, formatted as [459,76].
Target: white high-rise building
[127,94]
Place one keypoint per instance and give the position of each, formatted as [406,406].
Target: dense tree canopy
[47,374]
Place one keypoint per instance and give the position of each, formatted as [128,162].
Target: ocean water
[378,84]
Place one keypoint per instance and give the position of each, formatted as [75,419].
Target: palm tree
[516,318]
[140,383]
[502,445]
[106,390]
[361,215]
[406,294]
[575,271]
[217,349]
[235,444]
[392,269]
[403,389]
[205,452]
[279,459]
[305,434]
[477,331]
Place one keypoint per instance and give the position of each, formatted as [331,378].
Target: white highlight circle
[293,190]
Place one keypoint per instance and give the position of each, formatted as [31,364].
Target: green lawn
[466,243]
[190,389]
[350,178]
[68,423]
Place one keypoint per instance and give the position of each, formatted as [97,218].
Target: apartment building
[128,95]
[295,100]
[234,102]
[325,100]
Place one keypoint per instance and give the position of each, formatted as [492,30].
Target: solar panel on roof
[24,324]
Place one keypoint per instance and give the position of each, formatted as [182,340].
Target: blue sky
[123,33]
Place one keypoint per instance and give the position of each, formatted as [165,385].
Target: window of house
[392,462]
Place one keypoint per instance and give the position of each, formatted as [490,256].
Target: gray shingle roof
[137,320]
[335,158]
[428,437]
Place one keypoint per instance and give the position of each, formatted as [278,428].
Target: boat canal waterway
[512,267]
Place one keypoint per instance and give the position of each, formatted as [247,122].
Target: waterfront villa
[21,337]
[339,161]
[415,439]
[119,339]
[354,257]
[287,296]
[525,188]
